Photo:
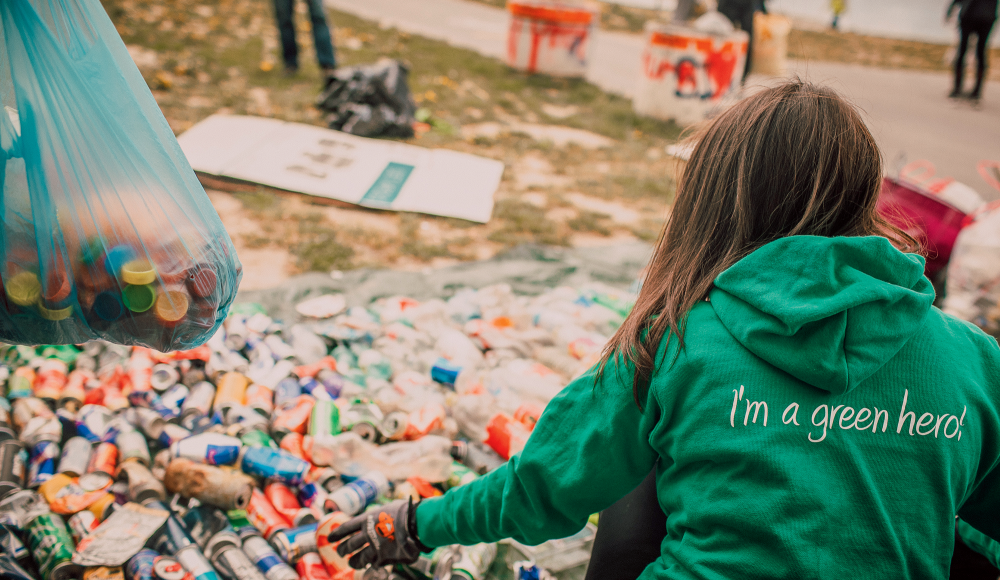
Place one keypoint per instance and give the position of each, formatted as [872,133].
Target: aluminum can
[21,383]
[257,438]
[284,501]
[293,543]
[325,419]
[104,459]
[328,550]
[174,398]
[50,379]
[294,418]
[75,456]
[94,422]
[286,391]
[140,566]
[260,398]
[44,456]
[220,541]
[52,547]
[203,522]
[355,496]
[132,445]
[225,489]
[210,448]
[311,567]
[81,524]
[266,559]
[273,464]
[234,564]
[13,459]
[163,377]
[104,573]
[199,400]
[173,536]
[240,521]
[167,568]
[292,443]
[171,434]
[232,390]
[263,515]
[196,563]
[142,486]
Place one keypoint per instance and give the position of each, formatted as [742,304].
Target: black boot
[977,91]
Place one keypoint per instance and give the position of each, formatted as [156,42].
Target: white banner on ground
[326,163]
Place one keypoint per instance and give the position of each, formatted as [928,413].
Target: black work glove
[380,537]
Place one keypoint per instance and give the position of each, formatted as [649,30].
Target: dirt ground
[581,167]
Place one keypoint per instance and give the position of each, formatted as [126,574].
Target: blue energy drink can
[266,559]
[210,448]
[267,463]
[140,566]
[293,543]
[44,457]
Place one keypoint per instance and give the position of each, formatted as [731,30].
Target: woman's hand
[379,537]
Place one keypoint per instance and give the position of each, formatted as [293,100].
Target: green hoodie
[822,421]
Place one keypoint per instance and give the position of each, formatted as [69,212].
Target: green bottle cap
[139,298]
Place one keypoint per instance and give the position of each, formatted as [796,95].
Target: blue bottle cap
[117,257]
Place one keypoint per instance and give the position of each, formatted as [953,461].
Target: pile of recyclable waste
[236,459]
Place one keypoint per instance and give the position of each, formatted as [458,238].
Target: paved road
[906,110]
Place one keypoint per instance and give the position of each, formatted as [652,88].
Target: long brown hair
[795,159]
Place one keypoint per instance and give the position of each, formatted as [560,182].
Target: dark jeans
[284,13]
[982,29]
[630,532]
[742,17]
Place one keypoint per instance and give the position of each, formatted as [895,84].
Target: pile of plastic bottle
[236,459]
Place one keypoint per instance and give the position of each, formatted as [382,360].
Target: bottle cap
[91,251]
[201,281]
[57,287]
[171,307]
[117,257]
[138,273]
[139,298]
[24,288]
[108,306]
[56,313]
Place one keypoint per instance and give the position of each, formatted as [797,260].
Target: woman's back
[823,420]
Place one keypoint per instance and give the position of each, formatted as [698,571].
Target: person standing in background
[838,7]
[974,17]
[284,13]
[741,13]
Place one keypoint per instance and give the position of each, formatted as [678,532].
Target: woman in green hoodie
[806,410]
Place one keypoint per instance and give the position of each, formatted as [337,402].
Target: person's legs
[983,31]
[284,14]
[629,535]
[321,36]
[963,45]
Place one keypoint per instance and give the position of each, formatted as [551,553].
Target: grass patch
[521,222]
[259,202]
[317,248]
[630,186]
[591,221]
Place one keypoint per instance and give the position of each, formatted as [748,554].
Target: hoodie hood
[828,311]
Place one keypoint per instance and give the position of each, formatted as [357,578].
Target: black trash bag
[370,101]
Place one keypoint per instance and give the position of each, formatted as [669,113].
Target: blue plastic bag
[106,231]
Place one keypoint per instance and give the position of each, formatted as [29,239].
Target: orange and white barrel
[688,75]
[550,37]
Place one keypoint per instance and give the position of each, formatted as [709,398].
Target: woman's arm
[590,448]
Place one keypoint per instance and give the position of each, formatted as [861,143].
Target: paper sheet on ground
[327,163]
[119,537]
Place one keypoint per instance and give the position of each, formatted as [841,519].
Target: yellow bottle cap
[138,273]
[56,313]
[24,289]
[172,307]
